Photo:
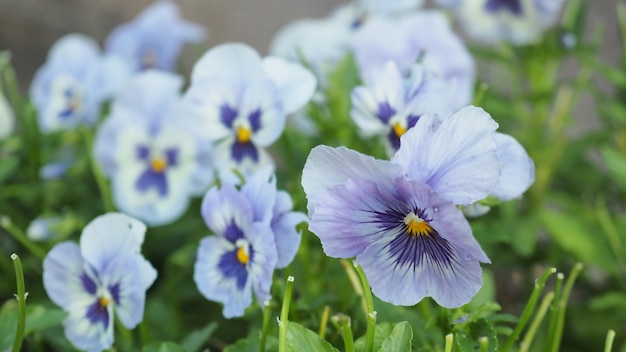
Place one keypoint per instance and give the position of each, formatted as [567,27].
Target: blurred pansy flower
[7,118]
[155,38]
[388,104]
[324,41]
[399,218]
[151,150]
[424,37]
[69,88]
[254,234]
[243,101]
[105,276]
[43,228]
[517,21]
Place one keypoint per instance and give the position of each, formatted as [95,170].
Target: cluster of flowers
[403,219]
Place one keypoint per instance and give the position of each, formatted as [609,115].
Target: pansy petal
[284,222]
[260,190]
[214,284]
[261,268]
[345,164]
[109,236]
[518,169]
[221,208]
[64,275]
[455,156]
[85,334]
[295,84]
[239,62]
[163,90]
[123,279]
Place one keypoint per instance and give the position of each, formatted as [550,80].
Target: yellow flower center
[243,135]
[104,302]
[75,104]
[398,129]
[242,255]
[158,165]
[417,226]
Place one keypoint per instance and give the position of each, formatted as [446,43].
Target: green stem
[528,310]
[532,330]
[483,342]
[343,324]
[355,282]
[21,303]
[563,304]
[103,184]
[608,344]
[449,343]
[371,313]
[555,309]
[284,316]
[267,312]
[324,322]
[19,235]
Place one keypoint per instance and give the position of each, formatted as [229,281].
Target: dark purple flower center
[513,6]
[233,264]
[73,104]
[398,130]
[98,312]
[155,174]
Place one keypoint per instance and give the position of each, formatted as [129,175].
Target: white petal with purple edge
[456,156]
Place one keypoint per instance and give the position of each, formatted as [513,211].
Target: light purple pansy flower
[151,150]
[399,218]
[423,36]
[517,21]
[255,234]
[155,38]
[243,101]
[69,88]
[389,103]
[105,276]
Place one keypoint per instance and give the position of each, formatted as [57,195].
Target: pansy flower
[517,21]
[399,218]
[254,234]
[68,89]
[424,37]
[243,101]
[388,104]
[155,38]
[104,277]
[150,149]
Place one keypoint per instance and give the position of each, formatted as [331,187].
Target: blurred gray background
[29,27]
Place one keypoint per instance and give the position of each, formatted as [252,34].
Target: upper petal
[226,206]
[240,62]
[327,167]
[295,84]
[456,157]
[260,190]
[110,236]
[518,169]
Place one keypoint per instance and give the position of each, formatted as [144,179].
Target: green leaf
[399,340]
[382,331]
[8,324]
[162,347]
[194,341]
[611,300]
[578,237]
[251,344]
[616,164]
[7,167]
[38,318]
[301,339]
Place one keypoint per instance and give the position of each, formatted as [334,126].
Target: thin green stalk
[19,235]
[449,343]
[483,342]
[528,310]
[355,282]
[480,93]
[126,342]
[555,309]
[371,313]
[532,330]
[343,324]
[103,184]
[21,303]
[563,305]
[608,343]
[267,313]
[324,322]
[284,316]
